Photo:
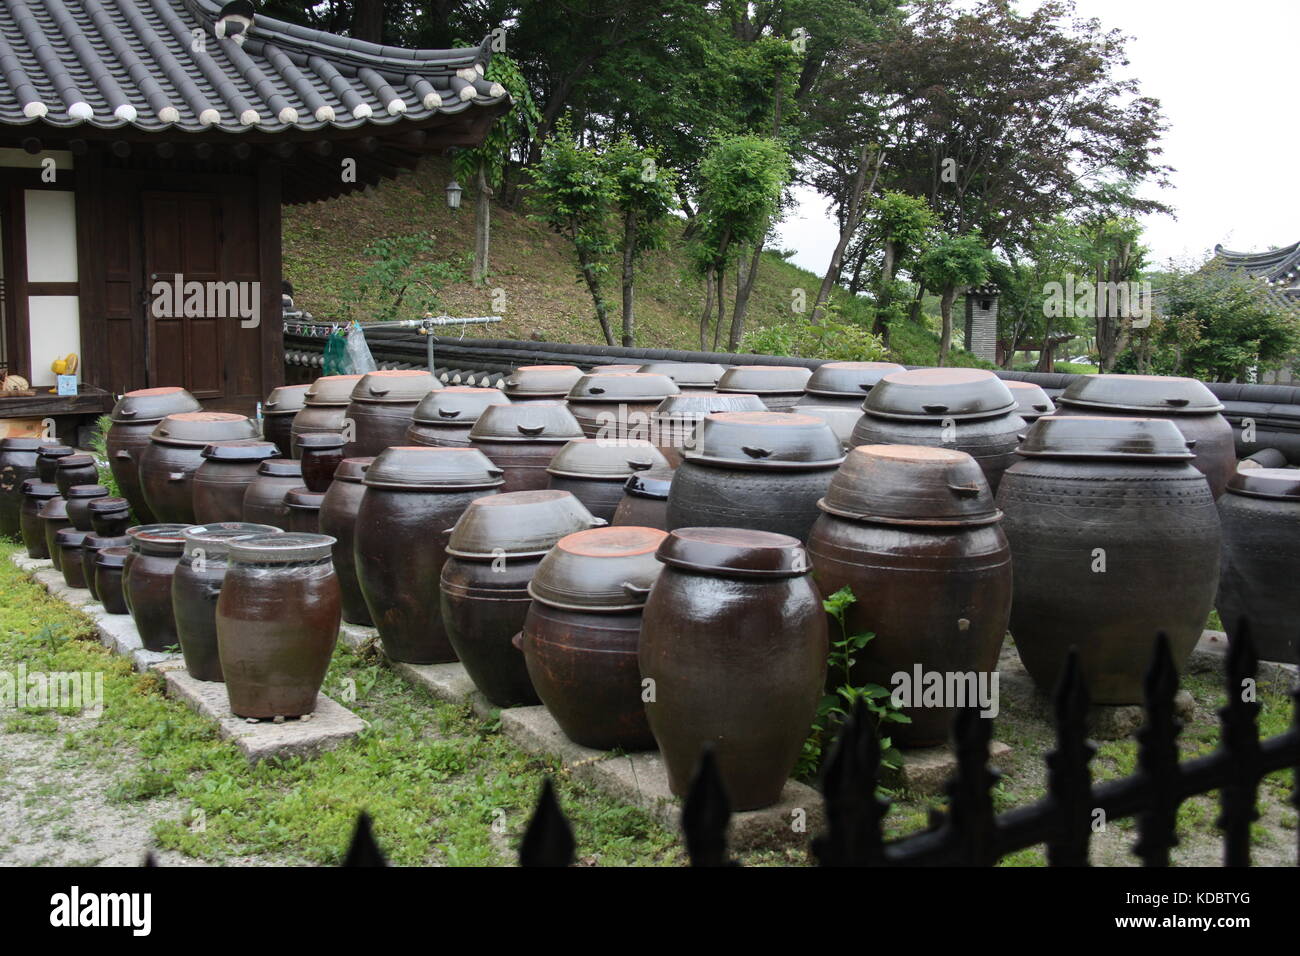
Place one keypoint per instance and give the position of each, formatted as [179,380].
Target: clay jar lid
[20,444]
[77,461]
[203,428]
[1101,438]
[694,375]
[521,524]
[213,540]
[535,381]
[394,386]
[55,508]
[457,405]
[108,505]
[287,548]
[1280,484]
[285,400]
[1156,394]
[35,488]
[87,491]
[111,557]
[765,440]
[597,369]
[321,441]
[910,485]
[160,539]
[153,404]
[604,569]
[331,390]
[622,387]
[841,420]
[528,421]
[96,542]
[848,379]
[245,450]
[765,379]
[421,468]
[734,553]
[604,458]
[689,407]
[352,470]
[653,484]
[932,394]
[1030,398]
[304,499]
[280,468]
[70,537]
[55,451]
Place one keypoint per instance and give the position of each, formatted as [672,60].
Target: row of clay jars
[133,419]
[175,453]
[338,519]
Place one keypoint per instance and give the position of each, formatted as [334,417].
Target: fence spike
[1240,741]
[1158,759]
[149,859]
[1069,782]
[971,819]
[548,840]
[853,810]
[1295,783]
[364,851]
[706,813]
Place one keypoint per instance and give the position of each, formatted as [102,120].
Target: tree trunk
[720,273]
[708,310]
[945,310]
[368,20]
[851,218]
[629,276]
[602,311]
[743,289]
[482,228]
[915,314]
[885,295]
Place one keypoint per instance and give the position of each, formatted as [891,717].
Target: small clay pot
[17,464]
[69,542]
[35,495]
[155,552]
[110,516]
[79,498]
[54,518]
[278,412]
[645,499]
[47,460]
[76,470]
[304,510]
[320,456]
[264,497]
[338,519]
[109,564]
[219,484]
[90,548]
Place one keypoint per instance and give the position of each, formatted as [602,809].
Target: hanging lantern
[453,194]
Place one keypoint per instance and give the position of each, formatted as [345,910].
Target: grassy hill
[324,255]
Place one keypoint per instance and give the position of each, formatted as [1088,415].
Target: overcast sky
[1226,77]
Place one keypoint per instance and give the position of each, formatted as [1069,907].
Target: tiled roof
[1280,268]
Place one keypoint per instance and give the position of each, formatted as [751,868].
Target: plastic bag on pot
[358,352]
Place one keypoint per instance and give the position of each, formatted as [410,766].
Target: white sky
[1226,77]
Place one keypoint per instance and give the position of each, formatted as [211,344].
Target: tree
[950,265]
[1032,304]
[900,225]
[1114,256]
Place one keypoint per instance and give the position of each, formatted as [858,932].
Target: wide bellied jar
[914,533]
[687,376]
[17,464]
[320,454]
[842,419]
[1114,539]
[324,409]
[444,417]
[264,496]
[1260,514]
[277,623]
[645,499]
[779,386]
[147,579]
[69,541]
[1031,401]
[492,554]
[594,470]
[304,510]
[35,495]
[54,518]
[196,585]
[109,586]
[733,653]
[110,516]
[541,383]
[134,418]
[219,484]
[338,519]
[522,438]
[278,412]
[1185,401]
[75,470]
[91,545]
[175,453]
[47,460]
[79,499]
[582,631]
[414,497]
[618,405]
[675,419]
[759,470]
[845,383]
[962,409]
[381,407]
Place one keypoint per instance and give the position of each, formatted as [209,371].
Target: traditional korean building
[1279,269]
[146,148]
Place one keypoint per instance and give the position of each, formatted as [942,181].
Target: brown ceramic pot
[689,377]
[321,454]
[54,518]
[1032,402]
[541,383]
[47,460]
[779,386]
[134,418]
[338,519]
[69,541]
[110,516]
[147,576]
[109,586]
[325,409]
[90,548]
[594,470]
[845,384]
[278,412]
[674,421]
[264,496]
[645,499]
[381,408]
[444,417]
[35,495]
[616,406]
[219,484]
[79,498]
[175,453]
[17,464]
[522,438]
[304,510]
[75,470]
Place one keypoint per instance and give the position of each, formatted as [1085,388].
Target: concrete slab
[358,639]
[1208,657]
[30,564]
[447,682]
[926,769]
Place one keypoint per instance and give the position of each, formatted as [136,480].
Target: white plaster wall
[51,235]
[56,331]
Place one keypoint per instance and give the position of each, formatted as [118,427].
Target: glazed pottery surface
[110,516]
[35,495]
[325,409]
[594,470]
[779,386]
[381,407]
[174,454]
[133,420]
[320,455]
[618,405]
[17,464]
[69,541]
[90,548]
[109,564]
[1031,401]
[687,376]
[219,483]
[444,417]
[54,518]
[338,518]
[75,470]
[674,421]
[47,460]
[147,576]
[522,438]
[530,383]
[304,510]
[278,412]
[79,498]
[845,384]
[264,497]
[645,499]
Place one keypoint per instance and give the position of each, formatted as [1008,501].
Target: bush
[838,341]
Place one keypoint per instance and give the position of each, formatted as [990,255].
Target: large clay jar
[689,377]
[69,542]
[1185,401]
[17,464]
[175,453]
[1032,403]
[90,548]
[914,533]
[304,510]
[320,455]
[155,552]
[134,418]
[79,498]
[35,495]
[75,470]
[444,417]
[1114,539]
[675,419]
[1261,551]
[414,497]
[759,470]
[277,623]
[962,409]
[734,644]
[110,516]
[845,384]
[264,497]
[325,409]
[779,386]
[582,632]
[338,519]
[54,518]
[109,585]
[541,383]
[594,470]
[381,407]
[47,460]
[617,406]
[522,438]
[645,499]
[278,412]
[196,585]
[842,419]
[493,552]
[219,484]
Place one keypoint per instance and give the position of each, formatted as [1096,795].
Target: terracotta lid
[538,380]
[35,488]
[352,470]
[848,379]
[911,485]
[331,390]
[280,468]
[734,552]
[113,557]
[693,406]
[21,444]
[248,449]
[687,374]
[1097,437]
[70,538]
[87,491]
[76,461]
[605,458]
[288,548]
[1282,484]
[56,451]
[653,484]
[457,405]
[841,420]
[932,394]
[622,387]
[285,400]
[765,440]
[109,505]
[1163,394]
[420,467]
[203,428]
[604,569]
[521,524]
[394,386]
[153,404]
[304,499]
[213,540]
[765,379]
[1031,400]
[321,440]
[55,508]
[163,539]
[527,421]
